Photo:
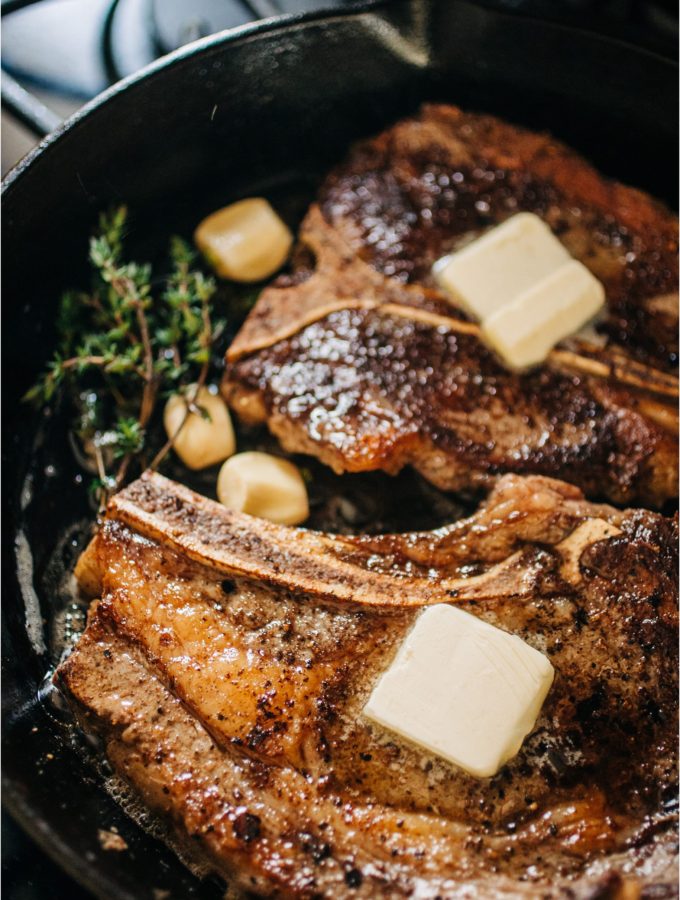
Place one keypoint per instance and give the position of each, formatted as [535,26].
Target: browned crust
[341,280]
[511,147]
[214,801]
[368,224]
[342,568]
[469,421]
[163,753]
[626,237]
[276,790]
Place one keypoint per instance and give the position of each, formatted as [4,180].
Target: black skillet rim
[18,806]
[266,26]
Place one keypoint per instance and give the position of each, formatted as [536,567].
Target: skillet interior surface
[267,109]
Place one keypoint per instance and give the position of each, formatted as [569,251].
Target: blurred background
[66,51]
[58,54]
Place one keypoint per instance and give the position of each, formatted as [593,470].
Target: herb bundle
[126,344]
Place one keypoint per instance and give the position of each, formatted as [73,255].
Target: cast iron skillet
[265,108]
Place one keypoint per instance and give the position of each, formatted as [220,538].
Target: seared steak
[359,359]
[227,660]
[407,197]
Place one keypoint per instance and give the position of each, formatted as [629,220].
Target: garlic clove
[246,241]
[265,486]
[200,442]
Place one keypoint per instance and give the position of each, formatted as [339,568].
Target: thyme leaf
[129,341]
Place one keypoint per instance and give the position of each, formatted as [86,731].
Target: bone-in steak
[359,359]
[227,660]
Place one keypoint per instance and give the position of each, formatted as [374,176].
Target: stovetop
[67,51]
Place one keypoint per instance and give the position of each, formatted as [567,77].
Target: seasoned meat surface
[409,196]
[359,359]
[227,660]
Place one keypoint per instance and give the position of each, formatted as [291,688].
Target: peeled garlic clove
[201,442]
[246,241]
[264,486]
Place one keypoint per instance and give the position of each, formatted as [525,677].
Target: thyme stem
[136,343]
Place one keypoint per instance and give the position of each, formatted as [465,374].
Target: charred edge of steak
[283,737]
[403,198]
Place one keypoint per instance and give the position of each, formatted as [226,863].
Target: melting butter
[522,285]
[462,689]
[524,332]
[501,265]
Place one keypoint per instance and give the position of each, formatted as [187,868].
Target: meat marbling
[359,359]
[226,662]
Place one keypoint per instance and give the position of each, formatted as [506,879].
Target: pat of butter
[525,331]
[501,265]
[462,689]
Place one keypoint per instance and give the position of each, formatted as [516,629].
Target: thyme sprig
[124,345]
